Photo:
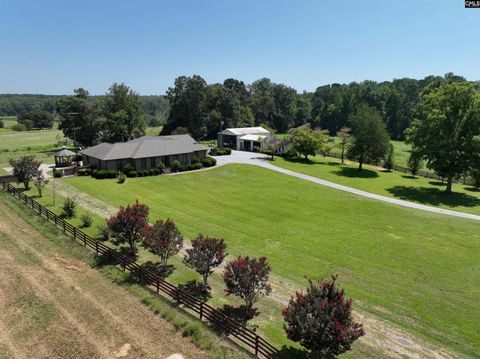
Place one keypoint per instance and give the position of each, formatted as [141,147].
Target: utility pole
[221,135]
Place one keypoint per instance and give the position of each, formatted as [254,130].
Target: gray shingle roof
[64,153]
[144,147]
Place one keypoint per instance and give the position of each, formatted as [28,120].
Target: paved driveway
[261,160]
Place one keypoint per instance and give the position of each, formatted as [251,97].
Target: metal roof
[246,131]
[252,137]
[144,147]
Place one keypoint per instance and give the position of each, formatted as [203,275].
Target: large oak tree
[447,130]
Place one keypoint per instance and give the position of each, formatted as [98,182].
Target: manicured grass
[415,269]
[392,184]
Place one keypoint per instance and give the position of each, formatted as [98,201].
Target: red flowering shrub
[128,224]
[248,279]
[321,319]
[163,239]
[206,253]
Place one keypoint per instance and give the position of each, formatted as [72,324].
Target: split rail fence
[230,327]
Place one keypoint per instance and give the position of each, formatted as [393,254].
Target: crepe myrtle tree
[247,278]
[205,254]
[163,239]
[321,319]
[25,169]
[128,225]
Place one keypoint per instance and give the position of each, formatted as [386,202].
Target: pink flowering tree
[321,319]
[206,254]
[163,239]
[248,279]
[128,225]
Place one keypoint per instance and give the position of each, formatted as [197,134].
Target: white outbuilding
[244,138]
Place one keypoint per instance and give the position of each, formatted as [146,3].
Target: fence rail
[230,327]
[420,173]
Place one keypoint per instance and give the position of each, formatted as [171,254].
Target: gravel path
[262,161]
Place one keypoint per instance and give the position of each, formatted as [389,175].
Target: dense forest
[197,107]
[200,107]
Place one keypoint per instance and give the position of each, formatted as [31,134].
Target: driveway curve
[257,159]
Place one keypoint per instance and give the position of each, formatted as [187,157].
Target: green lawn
[416,269]
[401,151]
[392,184]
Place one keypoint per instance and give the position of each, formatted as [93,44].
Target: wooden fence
[230,327]
[419,173]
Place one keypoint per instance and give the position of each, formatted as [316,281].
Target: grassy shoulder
[206,340]
[391,184]
[413,269]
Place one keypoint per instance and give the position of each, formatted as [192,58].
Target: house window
[152,162]
[118,164]
[143,163]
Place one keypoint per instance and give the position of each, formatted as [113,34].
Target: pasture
[414,270]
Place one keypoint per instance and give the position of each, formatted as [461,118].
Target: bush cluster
[220,151]
[57,173]
[84,171]
[101,174]
[121,178]
[209,162]
[19,127]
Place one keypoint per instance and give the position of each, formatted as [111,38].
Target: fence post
[256,345]
[63,226]
[96,247]
[74,232]
[158,285]
[125,263]
[201,310]
[84,240]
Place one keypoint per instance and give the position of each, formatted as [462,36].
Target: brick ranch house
[143,153]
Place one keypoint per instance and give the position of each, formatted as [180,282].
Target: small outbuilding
[244,138]
[64,158]
[143,153]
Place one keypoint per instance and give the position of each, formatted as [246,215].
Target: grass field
[392,184]
[414,269]
[53,304]
[401,151]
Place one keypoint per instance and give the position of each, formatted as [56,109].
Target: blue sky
[53,47]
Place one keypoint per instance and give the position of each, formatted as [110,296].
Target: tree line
[155,107]
[199,107]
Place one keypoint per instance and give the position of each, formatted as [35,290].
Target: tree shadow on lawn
[239,313]
[301,160]
[434,196]
[472,189]
[355,173]
[196,289]
[294,353]
[158,269]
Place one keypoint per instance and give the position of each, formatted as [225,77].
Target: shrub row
[196,164]
[101,174]
[220,151]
